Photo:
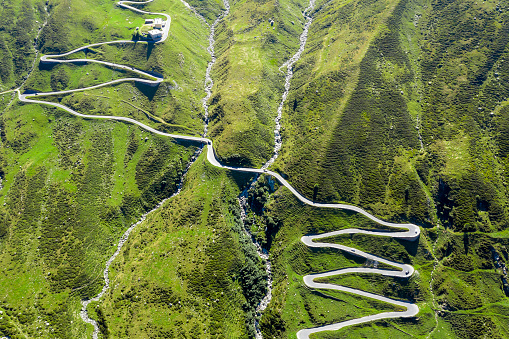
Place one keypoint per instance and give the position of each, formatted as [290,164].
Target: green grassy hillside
[399,106]
[182,59]
[248,83]
[371,161]
[19,24]
[372,156]
[70,188]
[189,270]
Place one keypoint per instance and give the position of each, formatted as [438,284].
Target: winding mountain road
[409,232]
[406,271]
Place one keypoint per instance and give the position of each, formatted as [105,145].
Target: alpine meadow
[262,169]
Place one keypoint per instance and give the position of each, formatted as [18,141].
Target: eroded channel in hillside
[278,142]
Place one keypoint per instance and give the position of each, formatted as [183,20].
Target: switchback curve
[56,58]
[405,272]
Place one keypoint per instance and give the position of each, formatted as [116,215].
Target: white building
[159,23]
[155,34]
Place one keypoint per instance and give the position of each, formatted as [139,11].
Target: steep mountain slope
[252,44]
[399,107]
[190,270]
[421,137]
[71,187]
[20,22]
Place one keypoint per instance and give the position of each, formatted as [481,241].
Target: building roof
[158,21]
[155,32]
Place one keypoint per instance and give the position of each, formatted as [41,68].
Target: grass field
[248,83]
[73,186]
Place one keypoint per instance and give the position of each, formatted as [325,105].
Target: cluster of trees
[252,275]
[258,195]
